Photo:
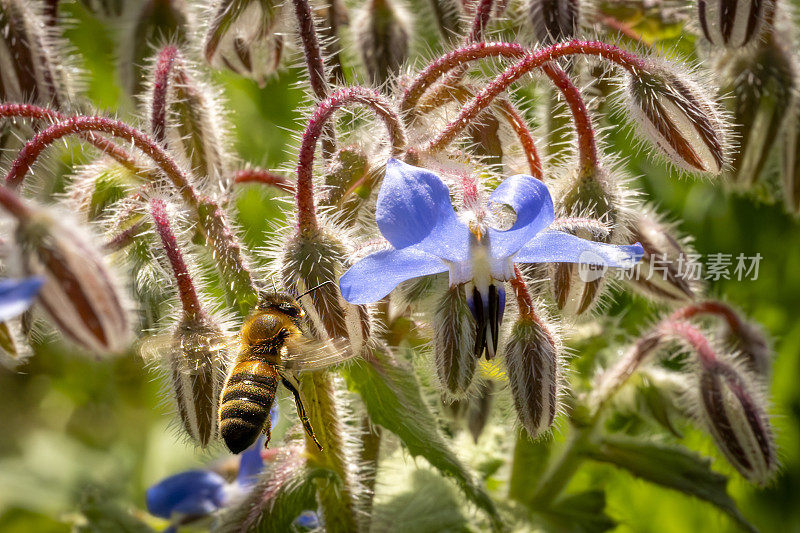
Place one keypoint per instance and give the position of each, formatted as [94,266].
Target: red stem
[76,125]
[524,135]
[481,20]
[186,291]
[124,238]
[523,295]
[164,64]
[101,143]
[313,54]
[713,308]
[306,209]
[694,337]
[264,177]
[515,72]
[587,147]
[12,203]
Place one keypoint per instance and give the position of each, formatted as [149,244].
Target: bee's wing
[190,353]
[302,353]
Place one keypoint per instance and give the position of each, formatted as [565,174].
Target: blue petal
[533,205]
[560,247]
[16,295]
[308,520]
[196,492]
[414,208]
[250,461]
[376,275]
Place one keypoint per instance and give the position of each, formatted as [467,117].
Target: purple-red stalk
[517,122]
[165,63]
[693,337]
[264,177]
[530,62]
[523,295]
[306,209]
[124,238]
[481,20]
[192,308]
[710,308]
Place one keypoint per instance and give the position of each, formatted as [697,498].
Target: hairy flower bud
[30,69]
[733,411]
[196,362]
[752,348]
[244,36]
[553,20]
[383,33]
[763,82]
[595,198]
[454,335]
[667,270]
[533,371]
[731,23]
[678,117]
[80,294]
[318,259]
[158,21]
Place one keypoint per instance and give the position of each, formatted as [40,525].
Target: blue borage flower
[415,215]
[17,295]
[195,494]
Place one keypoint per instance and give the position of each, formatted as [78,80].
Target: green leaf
[391,394]
[669,466]
[579,513]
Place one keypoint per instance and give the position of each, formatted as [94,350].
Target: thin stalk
[719,309]
[306,209]
[523,295]
[337,500]
[13,204]
[192,309]
[125,237]
[264,177]
[368,463]
[520,127]
[530,62]
[165,63]
[561,471]
[482,15]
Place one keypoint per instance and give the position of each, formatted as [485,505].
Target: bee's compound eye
[290,310]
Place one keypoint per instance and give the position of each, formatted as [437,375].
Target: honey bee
[271,348]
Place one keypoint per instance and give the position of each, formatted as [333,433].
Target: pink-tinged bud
[554,20]
[383,32]
[752,348]
[196,362]
[318,259]
[763,82]
[668,270]
[81,294]
[533,369]
[454,334]
[157,21]
[244,36]
[678,116]
[733,410]
[732,23]
[595,205]
[30,67]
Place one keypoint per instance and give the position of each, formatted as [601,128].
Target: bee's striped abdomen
[246,400]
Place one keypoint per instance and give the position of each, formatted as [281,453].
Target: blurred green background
[81,440]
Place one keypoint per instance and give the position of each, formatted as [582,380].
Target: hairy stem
[520,127]
[523,295]
[482,15]
[719,309]
[186,291]
[264,177]
[125,237]
[337,500]
[306,209]
[165,63]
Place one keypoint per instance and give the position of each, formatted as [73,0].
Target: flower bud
[244,36]
[667,270]
[752,348]
[733,411]
[80,294]
[454,335]
[30,69]
[158,21]
[577,288]
[553,20]
[448,19]
[731,23]
[196,362]
[310,259]
[762,83]
[678,117]
[533,371]
[383,32]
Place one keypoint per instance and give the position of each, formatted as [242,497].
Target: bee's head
[280,302]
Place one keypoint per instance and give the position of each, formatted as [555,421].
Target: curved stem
[517,122]
[483,50]
[719,309]
[264,177]
[693,337]
[77,125]
[13,204]
[158,117]
[186,291]
[515,72]
[101,143]
[306,209]
[587,147]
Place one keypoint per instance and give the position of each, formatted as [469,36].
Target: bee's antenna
[312,289]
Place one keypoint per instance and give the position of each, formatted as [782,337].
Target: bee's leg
[301,410]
